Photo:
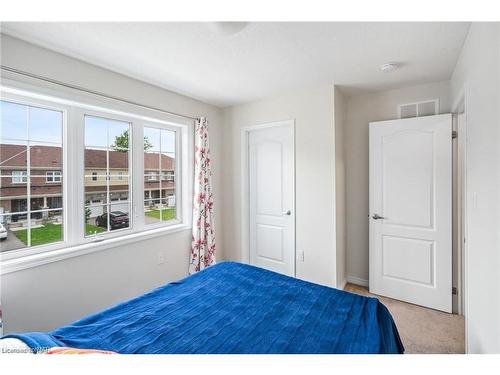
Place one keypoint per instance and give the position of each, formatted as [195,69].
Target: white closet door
[411,210]
[271,182]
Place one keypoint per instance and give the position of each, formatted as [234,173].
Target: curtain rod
[79,88]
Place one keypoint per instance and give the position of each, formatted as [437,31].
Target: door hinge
[454,134]
[454,290]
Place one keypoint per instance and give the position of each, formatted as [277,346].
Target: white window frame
[19,177]
[178,166]
[44,104]
[53,177]
[75,103]
[82,114]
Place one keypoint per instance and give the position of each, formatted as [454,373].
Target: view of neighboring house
[152,178]
[159,187]
[46,179]
[46,182]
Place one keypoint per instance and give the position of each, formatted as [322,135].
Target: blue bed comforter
[234,308]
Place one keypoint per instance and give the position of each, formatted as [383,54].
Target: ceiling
[261,60]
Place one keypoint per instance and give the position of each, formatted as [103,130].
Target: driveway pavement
[11,242]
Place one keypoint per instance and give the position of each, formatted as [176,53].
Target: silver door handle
[377,217]
[287,213]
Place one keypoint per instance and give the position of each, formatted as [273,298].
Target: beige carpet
[422,330]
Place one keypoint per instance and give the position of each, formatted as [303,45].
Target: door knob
[377,217]
[287,213]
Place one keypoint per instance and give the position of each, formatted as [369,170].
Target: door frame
[245,196]
[460,107]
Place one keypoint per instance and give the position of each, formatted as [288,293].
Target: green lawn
[49,233]
[40,236]
[168,214]
[53,232]
[91,229]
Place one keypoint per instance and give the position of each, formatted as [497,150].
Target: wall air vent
[419,109]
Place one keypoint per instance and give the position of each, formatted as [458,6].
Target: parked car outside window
[117,220]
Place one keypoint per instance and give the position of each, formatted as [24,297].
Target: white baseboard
[342,284]
[357,281]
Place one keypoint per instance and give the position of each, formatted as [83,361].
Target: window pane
[118,193]
[118,134]
[97,180]
[37,203]
[168,143]
[94,196]
[30,146]
[101,220]
[54,202]
[120,178]
[151,162]
[45,157]
[168,176]
[106,174]
[45,195]
[169,213]
[168,158]
[159,175]
[97,218]
[152,211]
[13,196]
[95,161]
[153,178]
[10,232]
[13,124]
[92,213]
[157,210]
[45,125]
[96,132]
[46,227]
[168,170]
[151,139]
[13,157]
[119,216]
[168,190]
[45,188]
[118,161]
[152,194]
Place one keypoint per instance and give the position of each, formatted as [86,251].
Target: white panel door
[271,198]
[411,210]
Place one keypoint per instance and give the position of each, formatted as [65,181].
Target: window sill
[35,260]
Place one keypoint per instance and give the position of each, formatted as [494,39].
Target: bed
[233,308]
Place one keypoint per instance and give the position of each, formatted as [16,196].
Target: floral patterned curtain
[203,241]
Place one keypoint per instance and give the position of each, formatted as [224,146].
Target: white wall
[340,185]
[361,110]
[49,296]
[313,112]
[478,71]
